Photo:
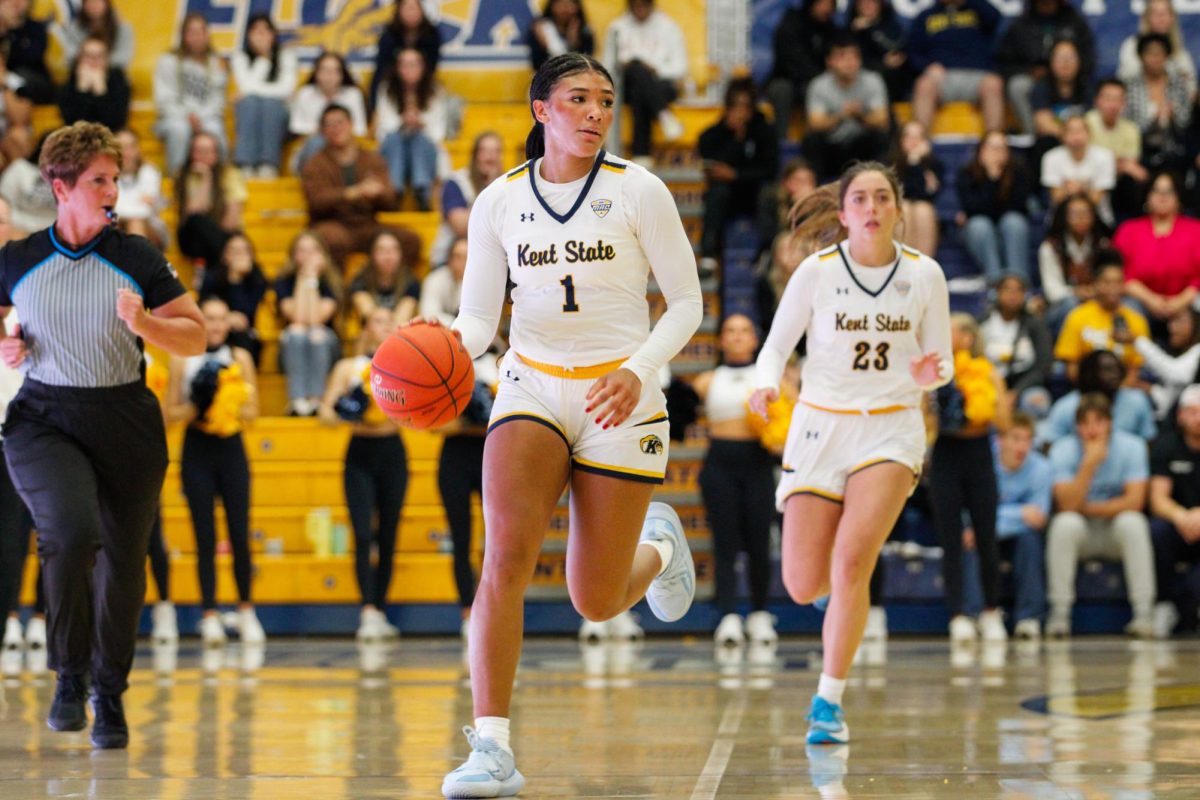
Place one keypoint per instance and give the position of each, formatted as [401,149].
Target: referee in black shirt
[84,437]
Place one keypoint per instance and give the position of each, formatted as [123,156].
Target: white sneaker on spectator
[13,638]
[991,626]
[1166,617]
[1058,625]
[212,630]
[876,630]
[593,632]
[35,633]
[729,632]
[1140,628]
[760,628]
[706,267]
[672,128]
[962,630]
[250,630]
[1028,629]
[268,172]
[166,627]
[623,627]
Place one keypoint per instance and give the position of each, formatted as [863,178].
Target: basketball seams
[435,411]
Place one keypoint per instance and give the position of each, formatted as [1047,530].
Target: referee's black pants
[89,464]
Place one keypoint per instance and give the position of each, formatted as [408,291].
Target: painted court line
[722,749]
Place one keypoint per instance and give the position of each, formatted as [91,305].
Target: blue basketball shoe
[827,723]
[670,594]
[489,771]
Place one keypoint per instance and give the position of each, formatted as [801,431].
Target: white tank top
[222,355]
[728,392]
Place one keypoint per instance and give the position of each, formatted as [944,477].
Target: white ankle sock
[494,728]
[665,549]
[830,689]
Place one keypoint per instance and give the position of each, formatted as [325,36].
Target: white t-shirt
[864,326]
[1097,170]
[580,255]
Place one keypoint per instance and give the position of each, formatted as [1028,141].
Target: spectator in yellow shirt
[1090,326]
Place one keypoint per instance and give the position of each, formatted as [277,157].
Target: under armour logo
[526,217]
[508,374]
[811,434]
[842,290]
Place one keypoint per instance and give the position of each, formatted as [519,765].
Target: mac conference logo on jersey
[902,287]
[651,445]
[601,207]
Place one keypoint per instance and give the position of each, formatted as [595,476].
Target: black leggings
[963,476]
[738,485]
[16,526]
[160,565]
[213,466]
[646,95]
[376,476]
[460,472]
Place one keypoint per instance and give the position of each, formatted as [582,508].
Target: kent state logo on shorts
[473,31]
[651,445]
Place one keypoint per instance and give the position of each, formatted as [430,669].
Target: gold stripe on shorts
[854,412]
[578,373]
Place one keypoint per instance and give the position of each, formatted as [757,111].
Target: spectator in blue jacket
[950,47]
[1024,479]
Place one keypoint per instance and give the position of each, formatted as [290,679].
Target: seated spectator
[95,90]
[1112,131]
[1016,341]
[1067,257]
[345,187]
[1090,325]
[881,40]
[1024,480]
[96,18]
[210,194]
[462,186]
[645,51]
[993,192]
[1158,17]
[386,281]
[1064,92]
[800,43]
[1175,510]
[1162,253]
[847,112]
[410,27]
[308,292]
[140,202]
[950,47]
[921,174]
[414,116]
[330,84]
[16,114]
[1025,53]
[1176,365]
[1100,372]
[1159,102]
[189,92]
[29,196]
[441,290]
[1100,477]
[24,40]
[741,156]
[796,182]
[1077,166]
[266,76]
[239,281]
[562,28]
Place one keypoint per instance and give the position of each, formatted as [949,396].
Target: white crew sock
[830,689]
[494,728]
[665,549]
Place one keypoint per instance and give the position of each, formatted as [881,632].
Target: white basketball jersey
[578,271]
[864,326]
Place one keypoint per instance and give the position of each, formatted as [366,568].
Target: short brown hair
[69,151]
[1020,419]
[1093,403]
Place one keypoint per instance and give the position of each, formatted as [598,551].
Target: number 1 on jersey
[569,306]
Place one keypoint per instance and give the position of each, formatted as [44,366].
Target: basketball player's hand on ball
[130,309]
[927,369]
[614,397]
[12,348]
[434,321]
[761,399]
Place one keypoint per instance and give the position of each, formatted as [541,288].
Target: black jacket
[1029,39]
[800,46]
[982,197]
[756,158]
[111,109]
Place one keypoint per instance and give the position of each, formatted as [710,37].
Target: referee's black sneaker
[109,731]
[67,712]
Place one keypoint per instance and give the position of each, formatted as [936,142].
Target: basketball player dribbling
[578,232]
[877,317]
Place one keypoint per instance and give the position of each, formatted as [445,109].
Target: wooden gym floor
[323,720]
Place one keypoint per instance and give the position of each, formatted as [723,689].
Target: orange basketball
[422,377]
